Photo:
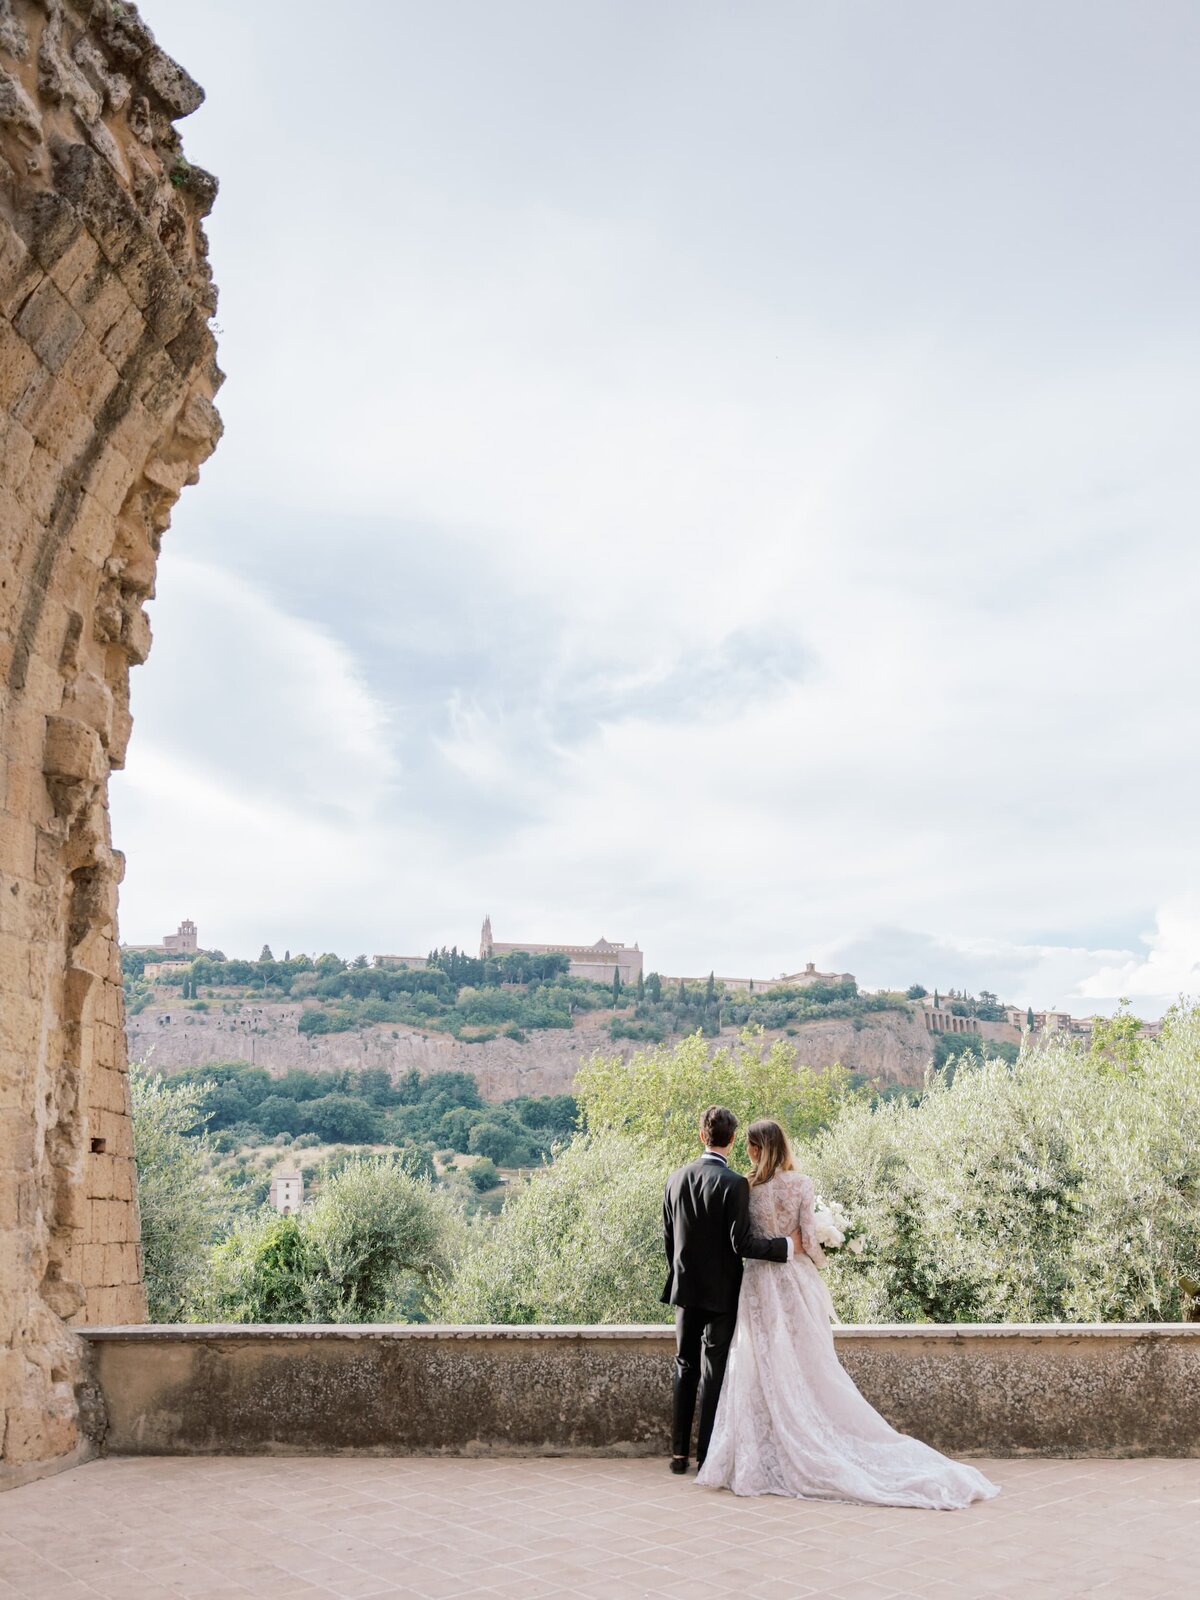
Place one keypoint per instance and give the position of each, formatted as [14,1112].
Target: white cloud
[1170,964]
[780,523]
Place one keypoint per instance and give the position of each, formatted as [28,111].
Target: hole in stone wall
[98,1147]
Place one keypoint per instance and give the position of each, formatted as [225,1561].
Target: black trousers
[702,1340]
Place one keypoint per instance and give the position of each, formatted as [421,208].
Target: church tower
[485,938]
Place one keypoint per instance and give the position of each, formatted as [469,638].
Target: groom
[706,1230]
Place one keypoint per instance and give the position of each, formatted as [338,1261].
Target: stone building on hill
[785,980]
[595,961]
[286,1193]
[184,942]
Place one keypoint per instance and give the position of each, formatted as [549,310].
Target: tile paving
[356,1529]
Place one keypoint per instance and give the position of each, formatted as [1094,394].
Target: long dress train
[790,1419]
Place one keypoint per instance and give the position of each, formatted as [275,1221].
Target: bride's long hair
[774,1151]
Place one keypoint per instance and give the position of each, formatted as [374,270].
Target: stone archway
[107,378]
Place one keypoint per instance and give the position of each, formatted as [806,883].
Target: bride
[790,1420]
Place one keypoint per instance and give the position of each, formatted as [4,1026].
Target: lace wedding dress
[790,1420]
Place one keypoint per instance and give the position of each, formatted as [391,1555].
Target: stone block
[124,336]
[16,450]
[101,299]
[18,845]
[176,89]
[109,479]
[41,482]
[20,272]
[161,388]
[90,373]
[72,750]
[124,235]
[17,1133]
[47,323]
[18,366]
[51,412]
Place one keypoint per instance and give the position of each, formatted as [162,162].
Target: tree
[339,1118]
[580,1241]
[1029,1018]
[278,1114]
[710,990]
[641,987]
[658,1095]
[1055,1189]
[265,953]
[484,1175]
[616,986]
[915,991]
[501,1137]
[182,1203]
[368,1249]
[1117,1040]
[654,988]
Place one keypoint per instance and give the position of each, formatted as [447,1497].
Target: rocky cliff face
[107,378]
[890,1046]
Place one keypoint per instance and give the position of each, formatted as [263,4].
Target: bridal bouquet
[834,1229]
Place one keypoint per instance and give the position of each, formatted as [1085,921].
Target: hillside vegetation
[474,1000]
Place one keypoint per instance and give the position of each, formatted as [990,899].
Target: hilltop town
[522,1015]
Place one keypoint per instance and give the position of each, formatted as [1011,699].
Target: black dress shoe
[679,1464]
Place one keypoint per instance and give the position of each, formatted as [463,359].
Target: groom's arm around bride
[706,1233]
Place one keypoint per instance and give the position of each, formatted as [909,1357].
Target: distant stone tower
[485,938]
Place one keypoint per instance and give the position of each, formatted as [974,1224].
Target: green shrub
[183,1204]
[368,1249]
[1059,1188]
[580,1241]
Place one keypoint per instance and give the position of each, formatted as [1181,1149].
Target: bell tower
[485,938]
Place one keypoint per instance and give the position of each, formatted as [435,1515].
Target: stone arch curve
[107,377]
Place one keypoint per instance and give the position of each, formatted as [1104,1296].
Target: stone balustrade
[993,1390]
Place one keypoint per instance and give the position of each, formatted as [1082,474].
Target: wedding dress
[790,1420]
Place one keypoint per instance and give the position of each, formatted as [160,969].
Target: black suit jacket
[707,1231]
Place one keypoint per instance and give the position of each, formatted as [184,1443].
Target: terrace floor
[302,1528]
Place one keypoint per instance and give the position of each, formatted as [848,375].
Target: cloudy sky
[719,475]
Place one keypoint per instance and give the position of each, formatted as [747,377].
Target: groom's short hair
[718,1126]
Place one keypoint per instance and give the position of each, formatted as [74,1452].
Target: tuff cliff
[891,1046]
[107,378]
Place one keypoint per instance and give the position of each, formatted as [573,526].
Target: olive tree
[1064,1187]
[578,1241]
[657,1095]
[183,1204]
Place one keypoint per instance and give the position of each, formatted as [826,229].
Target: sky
[715,475]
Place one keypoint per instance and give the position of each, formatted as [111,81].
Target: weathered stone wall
[107,376]
[1106,1390]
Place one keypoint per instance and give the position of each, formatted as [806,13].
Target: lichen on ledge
[107,377]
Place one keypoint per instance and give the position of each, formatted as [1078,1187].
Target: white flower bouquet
[834,1229]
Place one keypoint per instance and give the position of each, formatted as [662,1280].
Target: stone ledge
[600,1332]
[1117,1389]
